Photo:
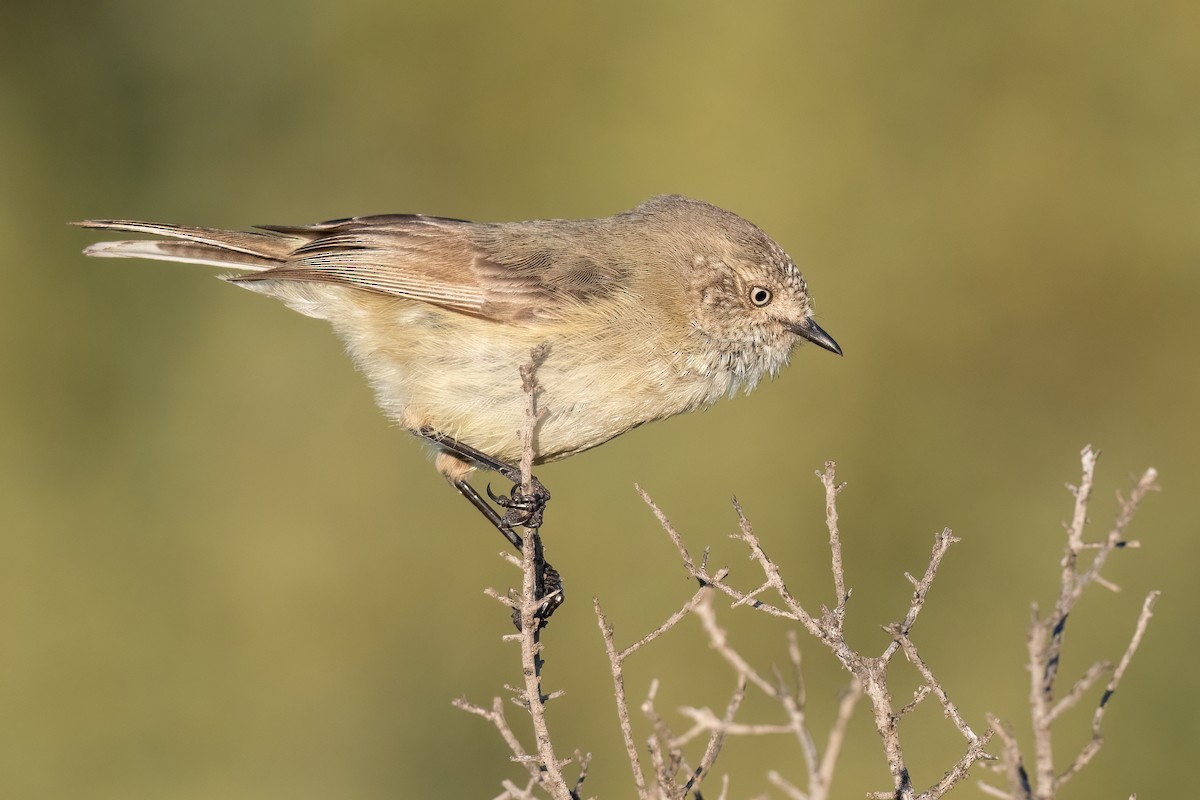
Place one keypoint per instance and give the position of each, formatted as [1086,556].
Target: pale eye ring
[760,296]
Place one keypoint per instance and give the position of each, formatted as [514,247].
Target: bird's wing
[508,272]
[415,257]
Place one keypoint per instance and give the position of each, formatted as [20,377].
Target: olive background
[225,574]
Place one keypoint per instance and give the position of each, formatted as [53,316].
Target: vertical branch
[533,415]
[1045,641]
[1041,682]
[529,612]
[532,565]
[531,668]
[1045,638]
[832,489]
[615,660]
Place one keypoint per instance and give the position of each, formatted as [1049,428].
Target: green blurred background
[224,574]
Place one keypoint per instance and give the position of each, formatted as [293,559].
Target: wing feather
[508,272]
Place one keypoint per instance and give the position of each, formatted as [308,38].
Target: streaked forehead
[776,265]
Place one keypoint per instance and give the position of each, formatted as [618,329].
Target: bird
[655,311]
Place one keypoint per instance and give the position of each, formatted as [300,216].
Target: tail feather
[251,250]
[184,252]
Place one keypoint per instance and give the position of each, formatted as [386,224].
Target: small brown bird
[655,311]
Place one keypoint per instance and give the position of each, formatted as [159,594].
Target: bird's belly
[461,376]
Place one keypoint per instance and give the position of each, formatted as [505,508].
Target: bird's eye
[760,296]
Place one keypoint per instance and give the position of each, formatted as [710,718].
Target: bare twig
[1079,689]
[584,761]
[869,672]
[661,768]
[546,768]
[1093,746]
[717,737]
[664,748]
[718,639]
[820,770]
[531,668]
[700,572]
[514,792]
[618,675]
[837,735]
[530,604]
[533,415]
[496,716]
[822,630]
[832,489]
[1010,763]
[1045,642]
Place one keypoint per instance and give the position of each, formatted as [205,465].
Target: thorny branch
[673,776]
[1045,643]
[659,765]
[545,768]
[869,672]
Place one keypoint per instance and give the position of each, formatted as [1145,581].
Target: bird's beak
[812,331]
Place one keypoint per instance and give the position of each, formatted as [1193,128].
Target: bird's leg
[520,509]
[547,581]
[485,508]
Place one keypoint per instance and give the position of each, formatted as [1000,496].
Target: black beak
[812,331]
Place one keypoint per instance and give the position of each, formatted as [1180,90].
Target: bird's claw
[549,590]
[521,508]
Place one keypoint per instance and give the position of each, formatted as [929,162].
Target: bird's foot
[547,589]
[520,507]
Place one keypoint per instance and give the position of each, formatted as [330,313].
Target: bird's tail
[244,250]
